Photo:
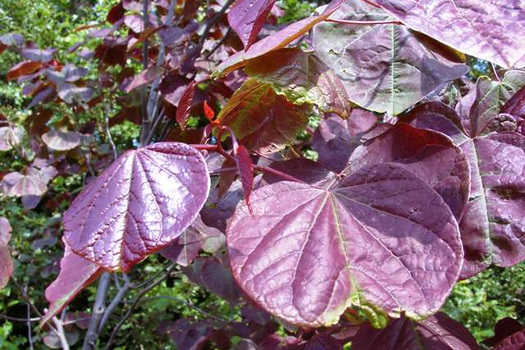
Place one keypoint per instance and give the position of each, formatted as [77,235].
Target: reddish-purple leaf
[61,141]
[115,14]
[503,329]
[323,342]
[222,207]
[429,155]
[515,106]
[335,139]
[490,30]
[275,41]
[302,78]
[145,77]
[384,67]
[32,183]
[513,342]
[135,23]
[188,335]
[378,237]
[6,266]
[493,220]
[438,332]
[139,204]
[247,18]
[23,68]
[76,273]
[302,169]
[5,231]
[71,92]
[208,111]
[261,119]
[35,54]
[10,136]
[245,166]
[185,104]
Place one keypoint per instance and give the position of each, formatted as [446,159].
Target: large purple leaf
[494,220]
[302,78]
[438,332]
[429,155]
[139,204]
[384,67]
[76,273]
[491,30]
[261,119]
[247,18]
[275,41]
[379,237]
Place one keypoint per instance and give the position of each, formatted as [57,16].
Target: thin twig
[99,307]
[115,302]
[495,71]
[17,319]
[145,117]
[61,334]
[219,44]
[151,279]
[134,304]
[108,133]
[29,327]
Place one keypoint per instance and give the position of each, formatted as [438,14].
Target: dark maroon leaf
[215,276]
[515,341]
[275,41]
[303,170]
[112,51]
[61,141]
[490,30]
[247,18]
[302,78]
[493,218]
[35,54]
[379,237]
[503,329]
[384,67]
[139,204]
[188,335]
[429,155]
[438,332]
[76,273]
[115,14]
[261,119]
[23,68]
[185,104]
[335,139]
[222,207]
[323,342]
[145,77]
[173,87]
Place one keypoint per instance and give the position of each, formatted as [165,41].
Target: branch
[145,117]
[99,308]
[60,333]
[108,133]
[114,303]
[134,304]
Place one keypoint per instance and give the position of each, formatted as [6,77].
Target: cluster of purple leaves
[413,188]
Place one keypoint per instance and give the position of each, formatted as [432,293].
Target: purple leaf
[35,54]
[197,237]
[189,335]
[222,208]
[247,18]
[32,183]
[261,119]
[275,41]
[61,141]
[5,231]
[145,77]
[139,204]
[70,92]
[490,30]
[245,166]
[384,67]
[503,329]
[323,342]
[10,136]
[429,155]
[185,104]
[438,332]
[214,275]
[493,218]
[302,78]
[513,342]
[335,139]
[516,106]
[6,266]
[302,169]
[76,273]
[378,237]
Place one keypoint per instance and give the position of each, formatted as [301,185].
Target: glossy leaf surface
[490,30]
[438,332]
[247,18]
[140,203]
[493,221]
[302,78]
[261,119]
[383,67]
[378,237]
[185,103]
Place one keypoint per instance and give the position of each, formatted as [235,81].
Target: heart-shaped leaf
[384,67]
[32,183]
[491,30]
[139,204]
[438,332]
[378,237]
[61,141]
[493,223]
